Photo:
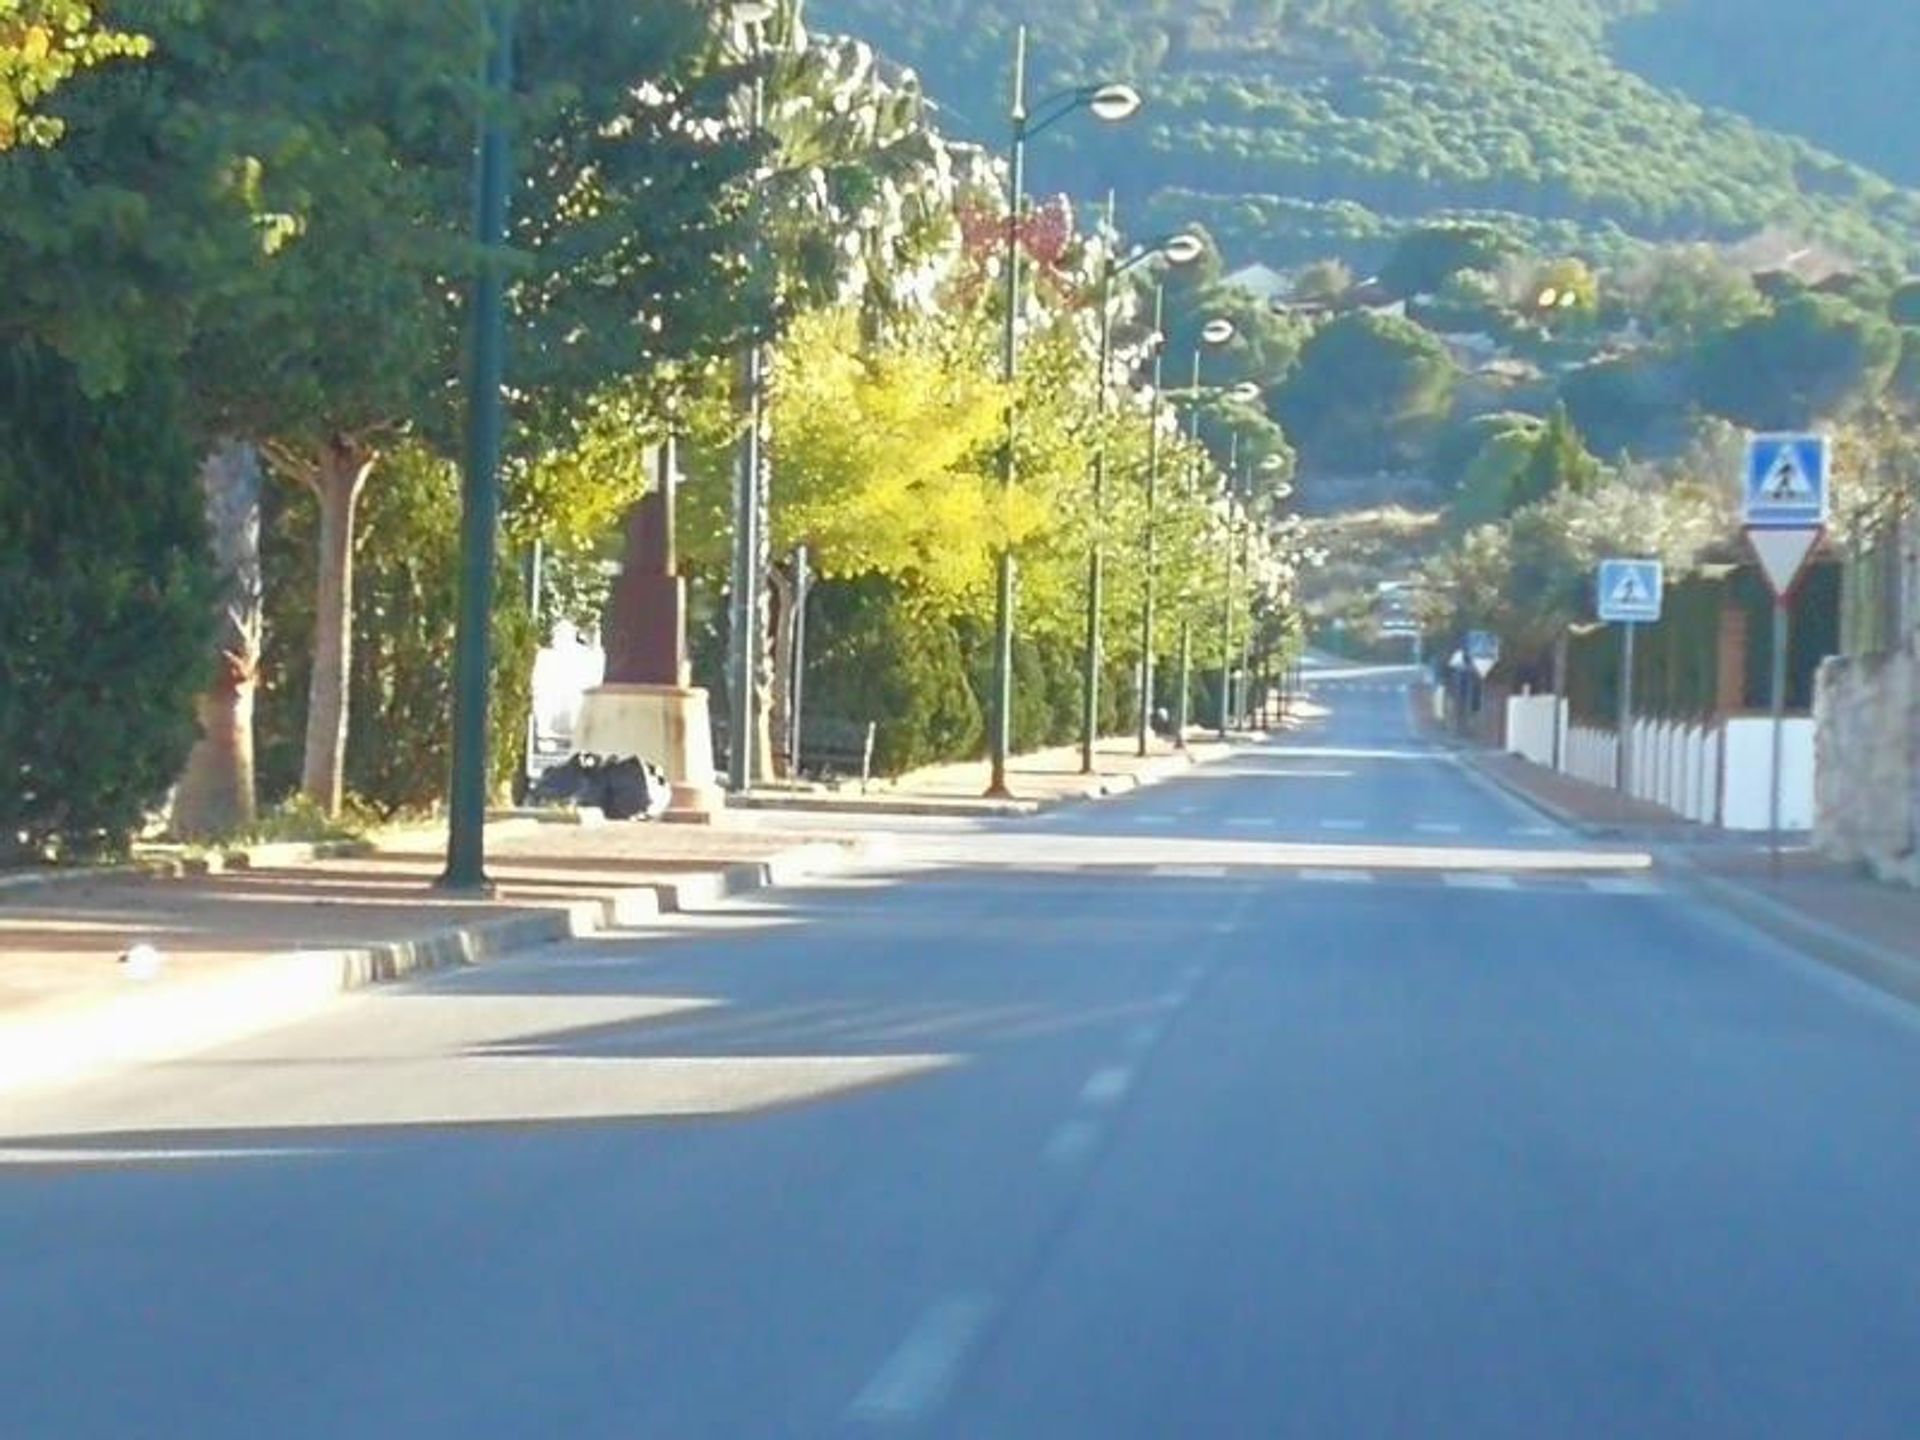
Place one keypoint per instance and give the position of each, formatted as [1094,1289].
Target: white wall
[1530,722]
[1747,762]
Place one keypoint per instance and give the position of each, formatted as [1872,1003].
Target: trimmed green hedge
[106,609]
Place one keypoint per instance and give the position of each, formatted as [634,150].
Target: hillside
[1299,128]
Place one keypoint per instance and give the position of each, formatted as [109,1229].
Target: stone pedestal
[666,724]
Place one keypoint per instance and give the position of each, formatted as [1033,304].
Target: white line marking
[1624,887]
[1153,819]
[1476,881]
[1253,822]
[1190,872]
[1343,824]
[1437,827]
[1104,1087]
[918,1375]
[1188,810]
[1338,877]
[1072,1142]
[1143,1037]
[28,1155]
[1541,830]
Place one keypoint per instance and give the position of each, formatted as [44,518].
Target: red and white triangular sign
[1783,554]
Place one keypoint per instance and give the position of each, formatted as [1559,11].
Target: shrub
[873,656]
[106,608]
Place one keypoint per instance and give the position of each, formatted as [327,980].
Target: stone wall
[1867,767]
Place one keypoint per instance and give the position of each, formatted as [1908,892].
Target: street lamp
[480,495]
[743,632]
[1238,485]
[1216,332]
[1180,249]
[1108,102]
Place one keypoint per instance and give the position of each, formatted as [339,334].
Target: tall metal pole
[1002,737]
[743,630]
[797,681]
[480,504]
[1623,762]
[1152,537]
[1096,551]
[1246,639]
[1782,636]
[1226,609]
[1183,702]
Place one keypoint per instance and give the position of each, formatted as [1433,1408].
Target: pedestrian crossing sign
[1786,484]
[1630,591]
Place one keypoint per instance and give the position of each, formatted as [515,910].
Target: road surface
[1322,1093]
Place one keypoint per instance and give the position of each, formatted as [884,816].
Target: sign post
[1629,593]
[1483,653]
[1788,500]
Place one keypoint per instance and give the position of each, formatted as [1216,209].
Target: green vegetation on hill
[1298,128]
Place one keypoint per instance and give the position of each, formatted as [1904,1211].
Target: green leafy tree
[1371,391]
[1423,261]
[43,43]
[1560,461]
[1812,358]
[109,605]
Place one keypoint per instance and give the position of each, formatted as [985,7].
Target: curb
[1885,970]
[172,1018]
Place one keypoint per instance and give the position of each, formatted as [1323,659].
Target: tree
[1813,358]
[1559,461]
[109,601]
[1323,282]
[1687,293]
[1371,391]
[1427,257]
[43,43]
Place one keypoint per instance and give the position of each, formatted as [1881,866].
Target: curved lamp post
[1239,488]
[1216,332]
[1111,103]
[749,523]
[1179,249]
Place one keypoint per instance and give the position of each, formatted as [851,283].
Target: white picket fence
[1717,773]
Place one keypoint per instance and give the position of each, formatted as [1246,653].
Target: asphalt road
[1322,1093]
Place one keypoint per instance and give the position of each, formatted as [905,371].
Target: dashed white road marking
[1338,877]
[1190,872]
[1535,830]
[1153,819]
[1475,880]
[1624,887]
[1343,824]
[1072,1142]
[1438,827]
[1107,1085]
[1253,822]
[918,1375]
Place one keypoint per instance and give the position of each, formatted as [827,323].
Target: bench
[830,749]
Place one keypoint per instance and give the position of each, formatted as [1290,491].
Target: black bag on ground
[621,787]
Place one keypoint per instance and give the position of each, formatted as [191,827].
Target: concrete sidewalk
[1837,913]
[244,950]
[1039,780]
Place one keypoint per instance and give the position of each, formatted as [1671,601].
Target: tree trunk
[215,795]
[336,482]
[780,593]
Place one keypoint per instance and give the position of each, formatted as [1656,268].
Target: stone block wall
[1867,762]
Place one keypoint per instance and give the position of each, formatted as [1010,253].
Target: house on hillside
[1262,282]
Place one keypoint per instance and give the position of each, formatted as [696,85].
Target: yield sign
[1782,554]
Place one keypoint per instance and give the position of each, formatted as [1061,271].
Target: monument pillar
[646,707]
